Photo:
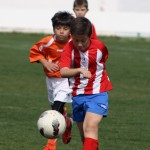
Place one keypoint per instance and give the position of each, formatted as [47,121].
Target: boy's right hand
[85,73]
[52,67]
[49,65]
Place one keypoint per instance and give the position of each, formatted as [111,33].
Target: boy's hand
[49,65]
[70,72]
[52,67]
[86,73]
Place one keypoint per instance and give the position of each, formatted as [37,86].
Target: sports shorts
[95,103]
[58,90]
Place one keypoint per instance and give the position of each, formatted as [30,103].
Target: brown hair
[81,26]
[80,3]
[62,18]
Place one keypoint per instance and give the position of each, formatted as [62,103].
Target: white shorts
[58,90]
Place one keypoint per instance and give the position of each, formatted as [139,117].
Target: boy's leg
[66,137]
[63,95]
[52,143]
[96,107]
[61,107]
[80,127]
[88,143]
[90,127]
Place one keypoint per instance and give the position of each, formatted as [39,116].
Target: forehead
[80,7]
[62,26]
[80,37]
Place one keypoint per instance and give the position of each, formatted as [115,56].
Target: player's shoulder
[97,43]
[47,38]
[70,43]
[69,46]
[93,26]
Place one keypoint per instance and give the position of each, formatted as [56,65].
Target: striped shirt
[93,59]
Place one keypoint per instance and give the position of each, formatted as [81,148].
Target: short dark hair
[81,26]
[62,18]
[80,2]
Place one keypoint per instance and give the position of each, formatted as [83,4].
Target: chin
[62,40]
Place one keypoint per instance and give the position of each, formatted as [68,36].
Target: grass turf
[23,96]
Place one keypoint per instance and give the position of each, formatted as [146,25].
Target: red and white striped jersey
[93,59]
[93,35]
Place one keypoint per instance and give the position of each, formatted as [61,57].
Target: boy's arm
[36,51]
[70,72]
[50,66]
[35,54]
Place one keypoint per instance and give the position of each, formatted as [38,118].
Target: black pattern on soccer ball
[42,131]
[55,125]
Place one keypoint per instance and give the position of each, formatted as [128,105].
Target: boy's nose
[80,44]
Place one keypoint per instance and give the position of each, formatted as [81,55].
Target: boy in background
[83,61]
[80,8]
[48,52]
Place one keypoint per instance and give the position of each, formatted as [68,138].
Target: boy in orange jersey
[48,52]
[80,8]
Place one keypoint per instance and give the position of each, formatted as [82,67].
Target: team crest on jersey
[59,50]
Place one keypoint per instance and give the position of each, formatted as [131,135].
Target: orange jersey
[50,49]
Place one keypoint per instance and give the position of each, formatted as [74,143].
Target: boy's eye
[58,27]
[76,9]
[62,27]
[66,28]
[83,9]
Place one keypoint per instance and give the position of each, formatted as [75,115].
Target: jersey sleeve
[93,35]
[65,60]
[104,51]
[36,52]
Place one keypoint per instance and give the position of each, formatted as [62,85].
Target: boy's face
[81,42]
[62,33]
[80,11]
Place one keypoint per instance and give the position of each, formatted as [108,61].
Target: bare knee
[90,128]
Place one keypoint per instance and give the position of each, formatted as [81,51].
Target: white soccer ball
[51,124]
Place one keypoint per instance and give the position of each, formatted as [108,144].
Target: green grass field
[23,96]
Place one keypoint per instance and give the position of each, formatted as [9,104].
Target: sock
[52,141]
[90,144]
[51,144]
[65,114]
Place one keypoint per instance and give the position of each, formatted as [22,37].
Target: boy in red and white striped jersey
[83,61]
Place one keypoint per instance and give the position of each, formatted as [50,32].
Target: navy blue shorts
[95,103]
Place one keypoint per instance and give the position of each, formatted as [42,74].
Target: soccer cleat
[66,137]
[51,144]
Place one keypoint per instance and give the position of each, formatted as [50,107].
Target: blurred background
[111,17]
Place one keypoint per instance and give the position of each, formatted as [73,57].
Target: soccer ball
[51,124]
